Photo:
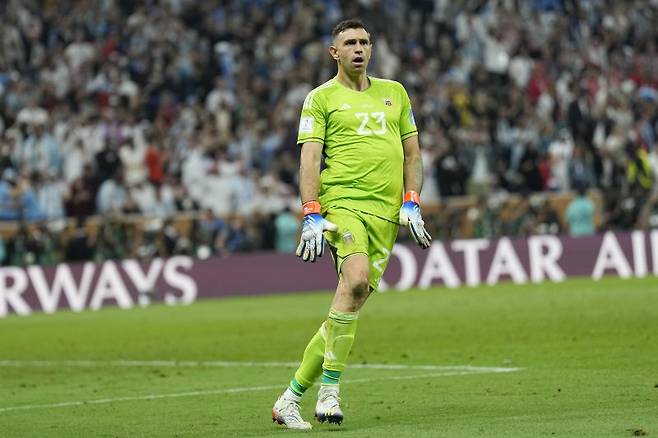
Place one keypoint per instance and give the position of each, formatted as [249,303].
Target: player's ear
[333,51]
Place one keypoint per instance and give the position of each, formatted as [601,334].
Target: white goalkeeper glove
[311,244]
[410,216]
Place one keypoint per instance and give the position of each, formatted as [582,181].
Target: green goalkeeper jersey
[362,134]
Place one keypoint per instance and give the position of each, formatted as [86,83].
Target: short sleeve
[407,121]
[312,122]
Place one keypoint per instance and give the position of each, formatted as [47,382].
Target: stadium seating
[185,139]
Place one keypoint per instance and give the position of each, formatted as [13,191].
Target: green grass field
[586,353]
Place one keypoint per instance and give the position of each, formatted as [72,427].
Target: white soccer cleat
[328,406]
[286,411]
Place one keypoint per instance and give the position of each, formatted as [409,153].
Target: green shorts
[361,233]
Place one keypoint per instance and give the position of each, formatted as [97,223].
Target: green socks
[341,328]
[327,352]
[311,365]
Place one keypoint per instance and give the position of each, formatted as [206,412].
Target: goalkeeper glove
[410,216]
[311,244]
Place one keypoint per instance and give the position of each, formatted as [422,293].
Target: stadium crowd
[118,107]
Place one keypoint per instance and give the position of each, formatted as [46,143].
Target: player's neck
[357,82]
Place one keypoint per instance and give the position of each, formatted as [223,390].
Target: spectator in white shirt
[112,195]
[50,192]
[132,160]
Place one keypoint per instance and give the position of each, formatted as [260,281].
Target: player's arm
[311,136]
[311,244]
[410,214]
[413,165]
[309,171]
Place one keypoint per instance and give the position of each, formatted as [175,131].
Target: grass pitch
[587,355]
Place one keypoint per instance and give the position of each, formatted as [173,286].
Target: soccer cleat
[286,412]
[328,406]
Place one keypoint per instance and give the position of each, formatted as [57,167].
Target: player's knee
[359,286]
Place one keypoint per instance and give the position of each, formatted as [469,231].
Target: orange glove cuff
[310,207]
[412,196]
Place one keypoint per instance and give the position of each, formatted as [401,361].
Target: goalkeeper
[373,175]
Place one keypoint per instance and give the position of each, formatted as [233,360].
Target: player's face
[352,50]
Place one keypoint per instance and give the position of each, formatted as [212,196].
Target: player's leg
[381,238]
[350,249]
[359,277]
[341,325]
[360,274]
[342,243]
[286,408]
[352,291]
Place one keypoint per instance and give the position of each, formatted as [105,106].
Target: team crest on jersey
[387,101]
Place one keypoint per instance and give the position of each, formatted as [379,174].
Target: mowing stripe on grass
[231,364]
[479,370]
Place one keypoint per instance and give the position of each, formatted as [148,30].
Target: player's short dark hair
[352,23]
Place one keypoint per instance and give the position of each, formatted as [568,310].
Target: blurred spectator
[144,196]
[107,162]
[17,199]
[648,217]
[154,164]
[522,217]
[233,237]
[485,217]
[181,199]
[75,160]
[47,246]
[50,193]
[560,152]
[529,168]
[287,226]
[80,199]
[161,238]
[221,96]
[204,233]
[39,152]
[7,146]
[451,173]
[272,196]
[32,115]
[581,173]
[580,214]
[547,220]
[133,163]
[638,172]
[151,243]
[265,238]
[612,172]
[111,241]
[22,249]
[172,241]
[112,194]
[619,212]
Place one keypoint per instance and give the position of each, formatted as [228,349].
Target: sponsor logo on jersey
[387,101]
[306,125]
[345,106]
